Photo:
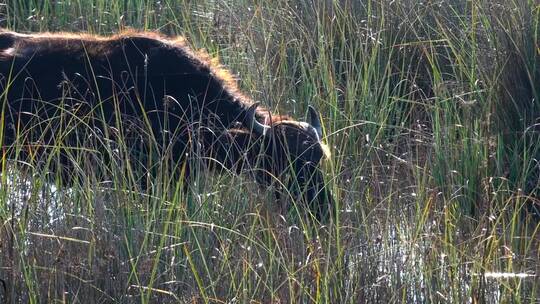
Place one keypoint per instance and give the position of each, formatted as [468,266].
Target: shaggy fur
[144,67]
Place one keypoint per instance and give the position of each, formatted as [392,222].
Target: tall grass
[431,112]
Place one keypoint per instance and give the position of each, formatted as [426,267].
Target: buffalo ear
[253,123]
[315,121]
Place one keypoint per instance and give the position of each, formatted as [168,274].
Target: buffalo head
[291,151]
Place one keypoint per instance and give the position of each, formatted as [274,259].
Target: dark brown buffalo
[142,83]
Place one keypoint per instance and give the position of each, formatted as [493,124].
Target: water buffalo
[140,82]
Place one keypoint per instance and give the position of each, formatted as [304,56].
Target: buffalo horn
[251,122]
[315,121]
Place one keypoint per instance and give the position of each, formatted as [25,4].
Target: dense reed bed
[431,112]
